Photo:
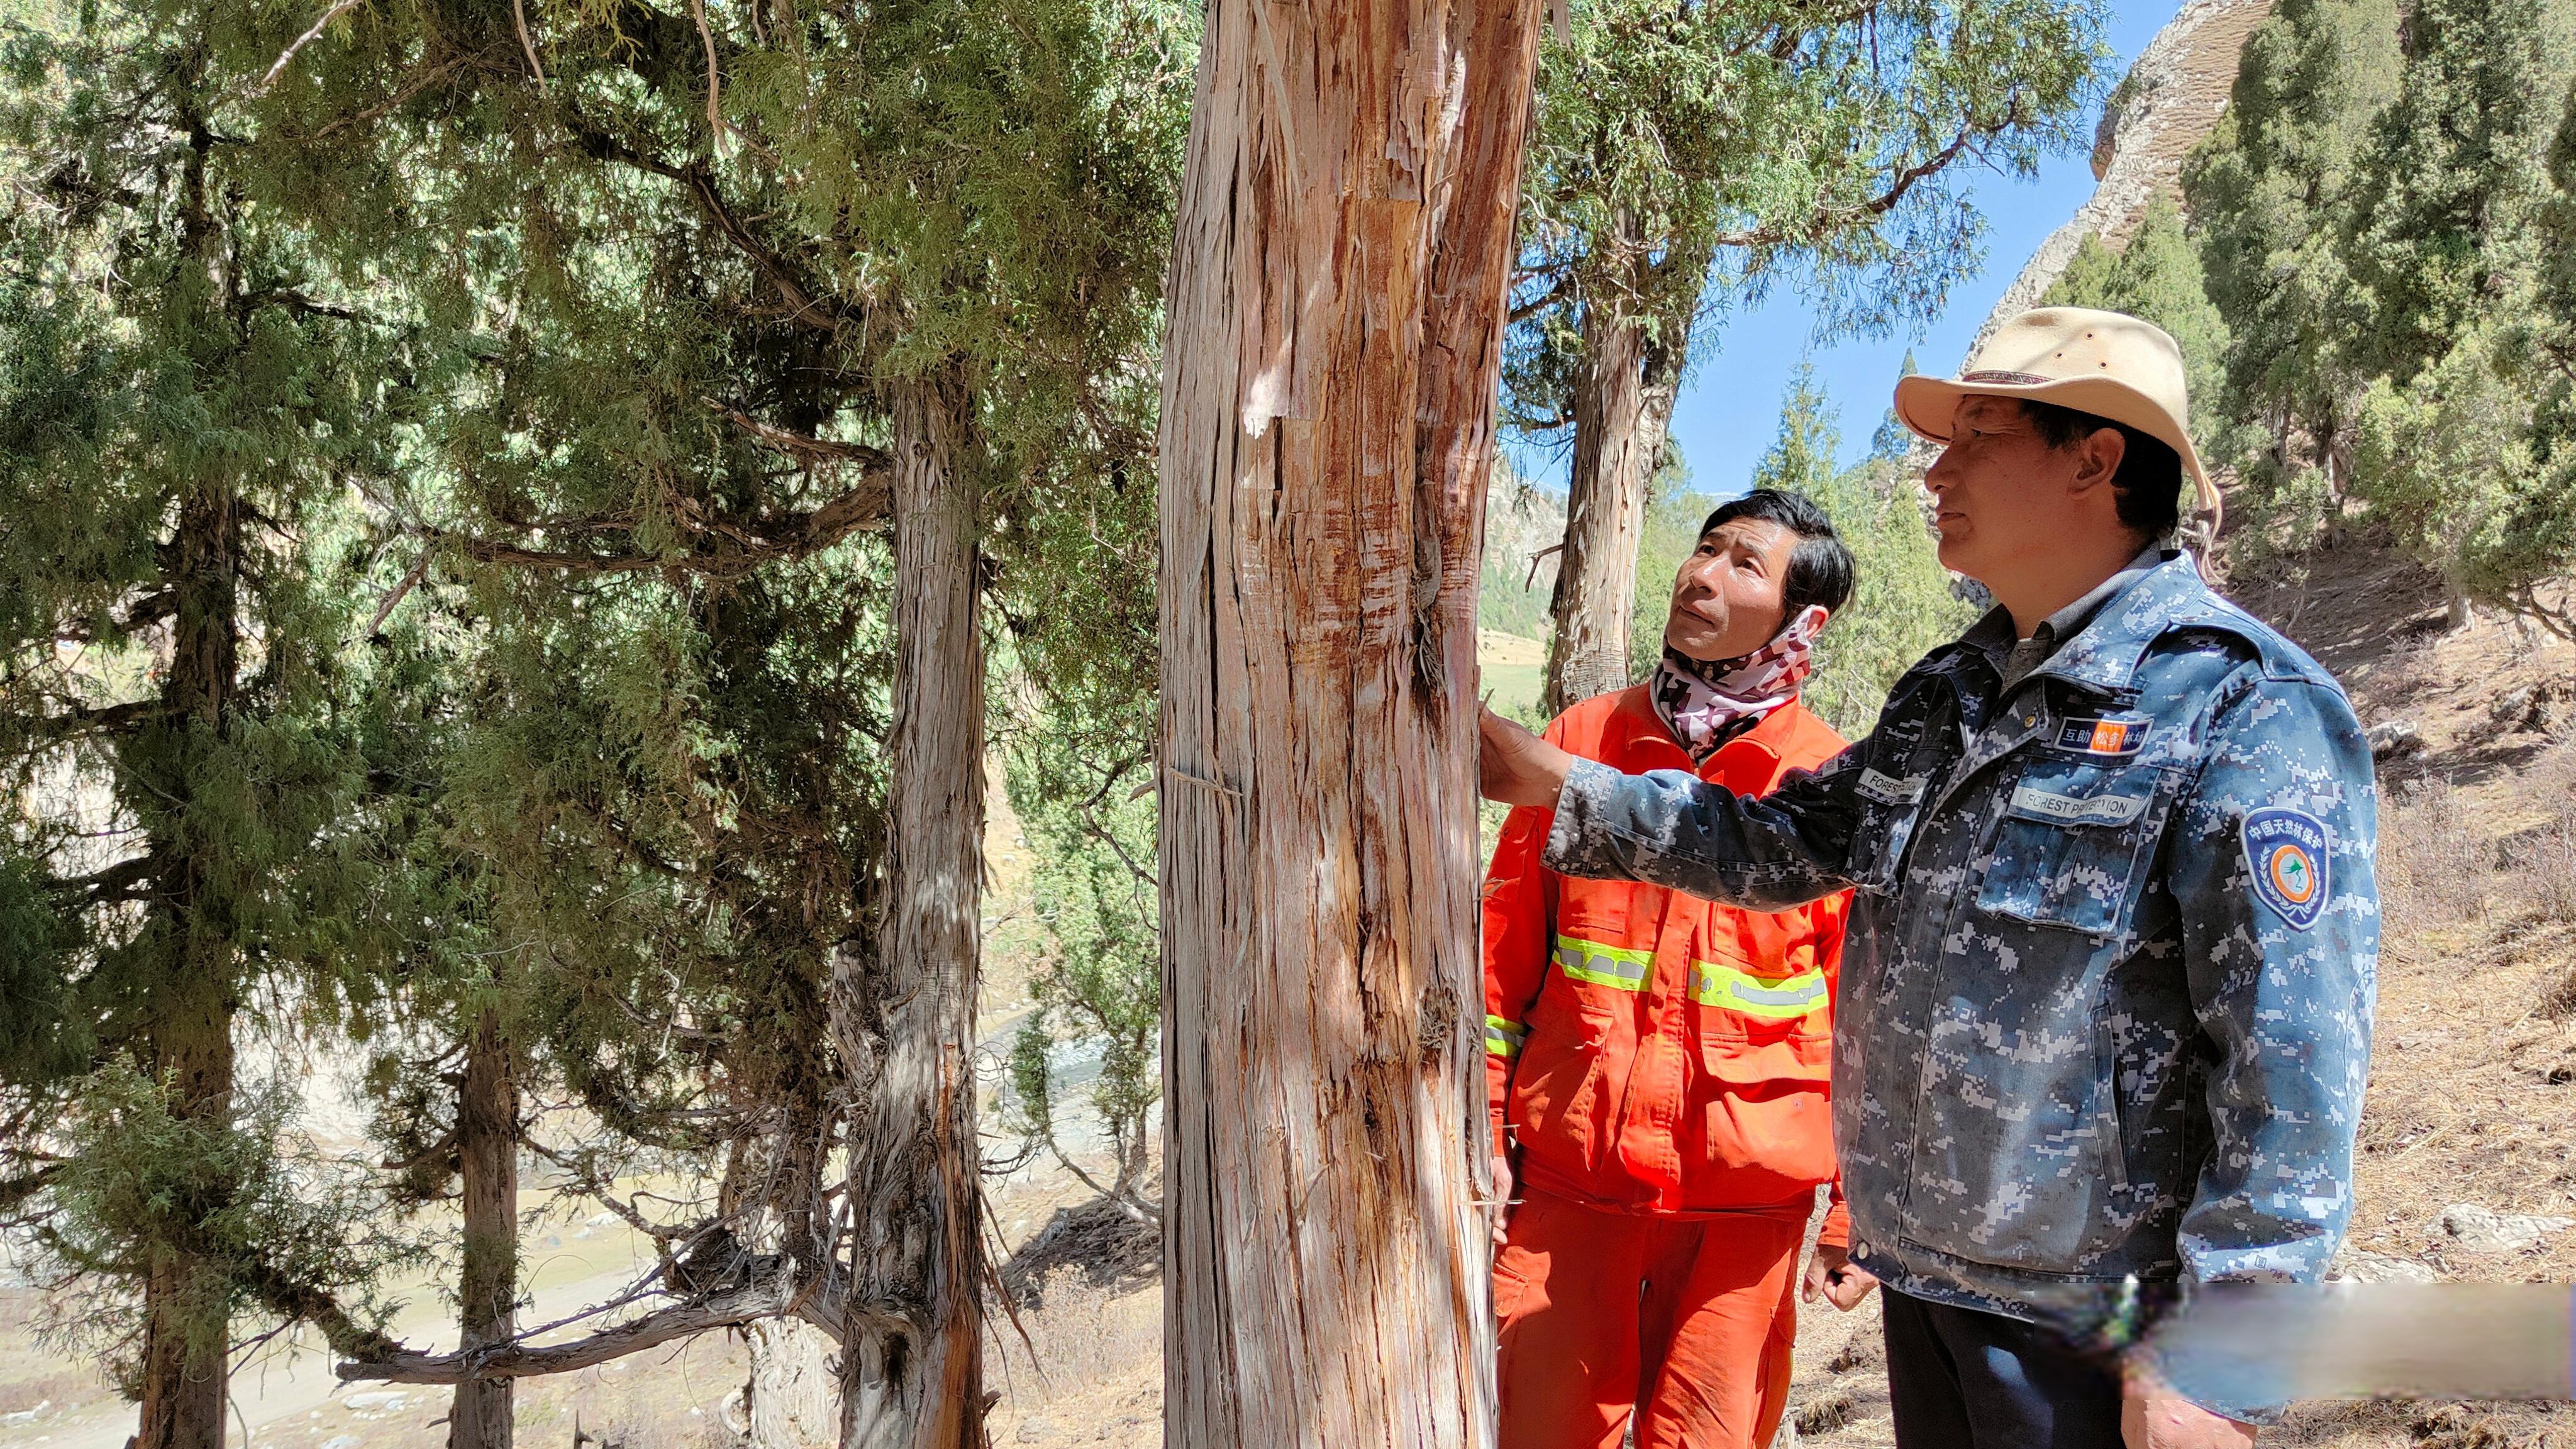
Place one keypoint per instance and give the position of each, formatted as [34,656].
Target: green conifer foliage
[2445,245]
[2376,217]
[2158,276]
[2537,538]
[2266,192]
[1770,141]
[184,397]
[445,464]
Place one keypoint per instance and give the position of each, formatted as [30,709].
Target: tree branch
[761,541]
[801,446]
[1555,292]
[777,1296]
[302,41]
[700,183]
[16,1190]
[1820,223]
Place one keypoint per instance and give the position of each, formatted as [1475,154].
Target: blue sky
[1730,405]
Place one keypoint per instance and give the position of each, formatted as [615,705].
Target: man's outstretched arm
[1669,829]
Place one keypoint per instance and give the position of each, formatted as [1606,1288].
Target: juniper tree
[724,293]
[2445,249]
[2540,530]
[610,344]
[2158,275]
[2267,191]
[182,404]
[1335,313]
[2374,218]
[1688,157]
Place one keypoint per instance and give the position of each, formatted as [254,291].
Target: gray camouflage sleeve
[1669,829]
[2280,910]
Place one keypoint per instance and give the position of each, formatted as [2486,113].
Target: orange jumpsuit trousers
[1687,1321]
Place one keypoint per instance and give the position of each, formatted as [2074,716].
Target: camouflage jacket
[2106,994]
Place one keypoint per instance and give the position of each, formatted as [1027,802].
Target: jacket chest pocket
[1890,805]
[2073,842]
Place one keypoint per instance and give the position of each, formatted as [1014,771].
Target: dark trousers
[1963,1379]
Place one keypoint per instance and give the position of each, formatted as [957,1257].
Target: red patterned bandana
[1704,702]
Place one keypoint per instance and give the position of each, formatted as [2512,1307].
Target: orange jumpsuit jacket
[1653,1052]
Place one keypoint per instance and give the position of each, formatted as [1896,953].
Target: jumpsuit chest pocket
[2073,842]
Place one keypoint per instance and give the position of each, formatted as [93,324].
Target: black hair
[1820,567]
[2148,486]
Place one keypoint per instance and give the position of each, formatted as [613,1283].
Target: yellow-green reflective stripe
[1504,1038]
[1792,996]
[1615,966]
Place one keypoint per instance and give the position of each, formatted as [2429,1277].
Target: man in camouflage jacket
[2105,1006]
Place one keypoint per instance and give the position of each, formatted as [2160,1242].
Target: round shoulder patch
[2285,851]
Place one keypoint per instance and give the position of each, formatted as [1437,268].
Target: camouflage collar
[2104,655]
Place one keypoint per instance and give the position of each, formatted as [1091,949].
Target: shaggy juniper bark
[487,1150]
[1335,316]
[917,1379]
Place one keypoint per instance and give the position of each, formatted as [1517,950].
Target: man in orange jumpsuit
[1659,1064]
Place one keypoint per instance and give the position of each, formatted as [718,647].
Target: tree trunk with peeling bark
[1605,514]
[1335,310]
[1622,406]
[487,1154]
[912,1377]
[793,1402]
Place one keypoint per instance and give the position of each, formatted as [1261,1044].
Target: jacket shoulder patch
[2285,852]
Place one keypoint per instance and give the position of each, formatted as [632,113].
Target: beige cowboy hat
[2108,364]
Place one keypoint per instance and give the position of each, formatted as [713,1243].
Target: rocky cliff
[2170,100]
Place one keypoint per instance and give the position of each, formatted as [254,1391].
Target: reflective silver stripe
[1713,984]
[1504,1038]
[1613,966]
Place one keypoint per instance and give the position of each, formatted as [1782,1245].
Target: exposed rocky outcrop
[2170,101]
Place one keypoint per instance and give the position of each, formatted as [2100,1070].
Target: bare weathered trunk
[487,1152]
[188,1037]
[912,1378]
[1335,315]
[1636,338]
[794,1403]
[1622,405]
